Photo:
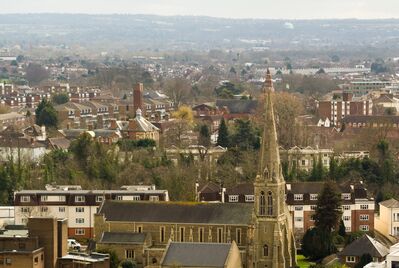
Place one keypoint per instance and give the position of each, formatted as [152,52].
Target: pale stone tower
[274,244]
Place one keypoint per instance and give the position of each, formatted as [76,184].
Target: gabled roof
[364,245]
[196,254]
[177,212]
[210,187]
[391,203]
[142,124]
[123,238]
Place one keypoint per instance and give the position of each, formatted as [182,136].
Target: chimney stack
[138,97]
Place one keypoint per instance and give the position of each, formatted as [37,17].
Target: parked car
[73,244]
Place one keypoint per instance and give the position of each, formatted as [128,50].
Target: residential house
[305,159]
[387,222]
[352,253]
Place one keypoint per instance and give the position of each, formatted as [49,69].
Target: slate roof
[177,212]
[364,245]
[123,238]
[371,119]
[60,143]
[238,106]
[196,254]
[241,189]
[210,187]
[391,203]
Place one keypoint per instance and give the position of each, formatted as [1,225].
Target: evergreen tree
[317,243]
[204,138]
[364,259]
[46,114]
[342,230]
[223,136]
[328,210]
[60,98]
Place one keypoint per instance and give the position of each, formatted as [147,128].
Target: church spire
[269,168]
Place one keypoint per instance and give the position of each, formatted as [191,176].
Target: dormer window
[313,196]
[346,196]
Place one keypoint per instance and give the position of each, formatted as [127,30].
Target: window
[298,208]
[25,198]
[313,207]
[79,209]
[136,198]
[62,198]
[201,234]
[269,203]
[238,236]
[313,196]
[119,197]
[346,218]
[162,234]
[80,220]
[298,197]
[303,162]
[350,259]
[44,198]
[79,231]
[265,251]
[139,228]
[364,217]
[249,198]
[154,198]
[233,198]
[364,207]
[43,209]
[346,196]
[220,235]
[181,234]
[364,228]
[61,209]
[346,207]
[129,254]
[262,204]
[79,198]
[99,198]
[298,219]
[25,210]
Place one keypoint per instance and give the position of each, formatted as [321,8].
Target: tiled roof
[364,245]
[123,238]
[196,254]
[241,189]
[177,212]
[391,203]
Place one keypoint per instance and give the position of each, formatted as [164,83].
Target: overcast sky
[273,9]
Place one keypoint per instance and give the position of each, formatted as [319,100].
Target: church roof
[123,238]
[196,254]
[177,212]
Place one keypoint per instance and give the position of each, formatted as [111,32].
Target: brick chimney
[138,97]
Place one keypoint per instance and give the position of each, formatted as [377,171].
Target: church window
[220,235]
[238,236]
[181,234]
[201,234]
[262,204]
[162,236]
[265,251]
[269,203]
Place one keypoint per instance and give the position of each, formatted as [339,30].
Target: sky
[267,9]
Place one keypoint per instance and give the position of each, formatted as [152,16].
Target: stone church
[262,231]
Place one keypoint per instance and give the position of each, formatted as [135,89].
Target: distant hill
[137,32]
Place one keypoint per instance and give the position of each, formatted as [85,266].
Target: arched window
[265,251]
[262,203]
[269,203]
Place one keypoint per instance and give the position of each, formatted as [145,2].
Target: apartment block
[77,205]
[357,207]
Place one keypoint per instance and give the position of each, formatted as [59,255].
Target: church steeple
[269,167]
